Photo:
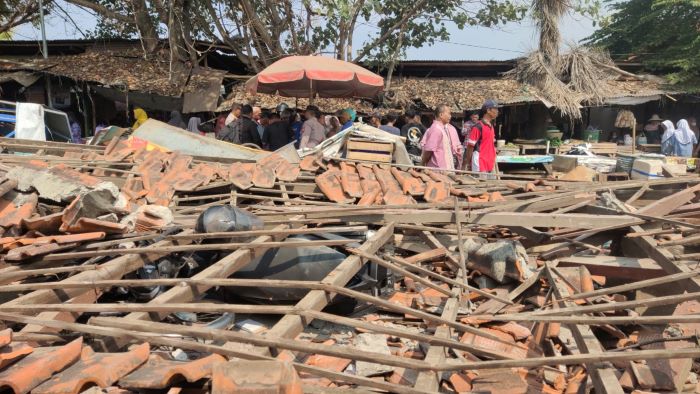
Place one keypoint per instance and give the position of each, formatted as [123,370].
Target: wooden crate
[368,150]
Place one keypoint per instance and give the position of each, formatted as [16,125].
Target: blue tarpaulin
[7,118]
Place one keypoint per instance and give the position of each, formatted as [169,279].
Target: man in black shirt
[279,132]
[242,130]
[412,122]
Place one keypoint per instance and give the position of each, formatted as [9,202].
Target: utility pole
[45,51]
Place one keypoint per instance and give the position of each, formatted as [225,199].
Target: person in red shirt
[481,145]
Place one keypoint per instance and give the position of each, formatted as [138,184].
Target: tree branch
[415,10]
[102,10]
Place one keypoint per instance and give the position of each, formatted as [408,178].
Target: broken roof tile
[241,175]
[386,180]
[437,192]
[287,172]
[86,225]
[159,373]
[13,352]
[43,224]
[309,163]
[38,367]
[409,184]
[370,197]
[15,207]
[329,183]
[100,369]
[255,377]
[264,177]
[350,180]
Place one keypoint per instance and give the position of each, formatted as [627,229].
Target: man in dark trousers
[242,130]
[279,133]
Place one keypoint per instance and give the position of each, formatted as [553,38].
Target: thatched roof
[121,69]
[328,105]
[471,93]
[460,93]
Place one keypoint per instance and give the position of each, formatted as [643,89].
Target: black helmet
[281,107]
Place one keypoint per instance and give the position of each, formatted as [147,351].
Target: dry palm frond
[579,77]
[547,14]
[587,74]
[537,71]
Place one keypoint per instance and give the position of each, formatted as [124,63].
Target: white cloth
[229,118]
[475,161]
[30,122]
[669,130]
[683,132]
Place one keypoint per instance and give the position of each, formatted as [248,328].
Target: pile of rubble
[127,269]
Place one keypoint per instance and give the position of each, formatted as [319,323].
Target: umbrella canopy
[311,76]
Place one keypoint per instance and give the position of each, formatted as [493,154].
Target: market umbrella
[311,76]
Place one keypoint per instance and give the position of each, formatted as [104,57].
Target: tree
[663,34]
[262,31]
[14,13]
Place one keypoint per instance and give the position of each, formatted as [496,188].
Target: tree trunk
[144,24]
[394,56]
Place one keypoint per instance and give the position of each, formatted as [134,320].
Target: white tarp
[30,122]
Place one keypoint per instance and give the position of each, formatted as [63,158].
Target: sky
[473,43]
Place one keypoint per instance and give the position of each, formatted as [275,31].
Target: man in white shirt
[234,114]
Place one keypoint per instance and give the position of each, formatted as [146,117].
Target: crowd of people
[680,139]
[473,148]
[441,145]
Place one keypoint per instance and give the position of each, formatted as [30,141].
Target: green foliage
[663,34]
[14,13]
[431,22]
[107,27]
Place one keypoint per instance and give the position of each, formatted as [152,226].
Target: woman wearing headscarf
[684,139]
[193,124]
[141,117]
[332,126]
[668,138]
[176,120]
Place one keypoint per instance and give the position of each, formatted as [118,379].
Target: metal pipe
[45,50]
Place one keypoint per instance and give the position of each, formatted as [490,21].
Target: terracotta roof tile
[159,373]
[263,177]
[409,184]
[13,352]
[38,367]
[100,369]
[241,175]
[329,183]
[15,207]
[86,225]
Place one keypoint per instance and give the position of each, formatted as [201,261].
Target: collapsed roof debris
[128,268]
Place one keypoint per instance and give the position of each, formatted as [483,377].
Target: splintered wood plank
[602,374]
[429,380]
[666,205]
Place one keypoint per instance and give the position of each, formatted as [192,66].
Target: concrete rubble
[128,268]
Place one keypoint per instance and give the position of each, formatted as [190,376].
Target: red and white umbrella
[316,76]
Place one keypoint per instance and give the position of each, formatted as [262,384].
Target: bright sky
[473,43]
